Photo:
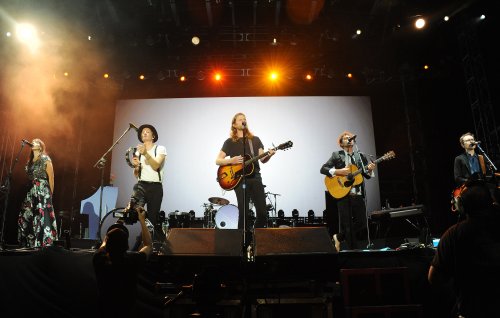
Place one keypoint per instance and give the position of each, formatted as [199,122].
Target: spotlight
[281,214]
[160,75]
[200,75]
[420,23]
[310,216]
[195,40]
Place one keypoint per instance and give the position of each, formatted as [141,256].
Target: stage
[281,281]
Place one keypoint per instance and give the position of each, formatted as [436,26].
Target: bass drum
[227,217]
[134,230]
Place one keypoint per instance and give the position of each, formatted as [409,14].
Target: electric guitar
[229,176]
[339,186]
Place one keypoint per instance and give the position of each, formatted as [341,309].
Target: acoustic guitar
[339,186]
[229,176]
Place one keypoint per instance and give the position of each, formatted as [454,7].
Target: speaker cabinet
[204,242]
[193,252]
[292,241]
[295,253]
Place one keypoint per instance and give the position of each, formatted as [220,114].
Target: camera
[129,215]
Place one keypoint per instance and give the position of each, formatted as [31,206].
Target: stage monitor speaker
[293,241]
[204,242]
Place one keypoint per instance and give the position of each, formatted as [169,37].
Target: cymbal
[219,201]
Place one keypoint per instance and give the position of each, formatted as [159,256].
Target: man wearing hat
[149,172]
[117,269]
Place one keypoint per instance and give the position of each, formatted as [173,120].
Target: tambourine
[130,150]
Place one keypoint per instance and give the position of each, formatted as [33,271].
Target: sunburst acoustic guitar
[229,176]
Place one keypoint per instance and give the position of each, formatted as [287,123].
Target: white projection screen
[194,129]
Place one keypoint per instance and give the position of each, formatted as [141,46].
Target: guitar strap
[250,144]
[481,163]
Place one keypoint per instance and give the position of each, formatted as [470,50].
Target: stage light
[349,75]
[420,23]
[310,216]
[195,40]
[273,76]
[160,76]
[446,18]
[281,214]
[295,214]
[217,76]
[106,75]
[182,78]
[27,34]
[482,17]
[142,77]
[426,67]
[200,75]
[66,74]
[308,77]
[8,34]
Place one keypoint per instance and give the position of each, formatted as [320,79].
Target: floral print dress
[37,223]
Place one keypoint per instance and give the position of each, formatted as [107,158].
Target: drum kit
[225,216]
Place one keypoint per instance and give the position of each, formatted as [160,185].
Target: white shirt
[147,172]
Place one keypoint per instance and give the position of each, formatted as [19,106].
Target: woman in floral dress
[37,222]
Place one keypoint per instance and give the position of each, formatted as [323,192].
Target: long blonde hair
[234,132]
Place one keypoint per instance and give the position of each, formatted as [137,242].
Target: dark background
[420,114]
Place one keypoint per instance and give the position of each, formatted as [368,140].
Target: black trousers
[352,220]
[150,196]
[255,191]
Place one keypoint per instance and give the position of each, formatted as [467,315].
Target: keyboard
[399,212]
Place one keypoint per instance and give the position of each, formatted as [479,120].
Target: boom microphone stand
[492,165]
[363,189]
[244,185]
[5,189]
[100,164]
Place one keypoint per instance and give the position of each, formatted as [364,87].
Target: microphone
[133,126]
[27,143]
[244,124]
[475,142]
[351,138]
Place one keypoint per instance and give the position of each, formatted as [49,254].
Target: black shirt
[232,149]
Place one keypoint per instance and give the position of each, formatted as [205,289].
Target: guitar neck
[361,170]
[252,160]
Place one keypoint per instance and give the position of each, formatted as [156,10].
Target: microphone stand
[492,165]
[363,189]
[5,189]
[100,164]
[244,185]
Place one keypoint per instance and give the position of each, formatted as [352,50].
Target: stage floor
[62,282]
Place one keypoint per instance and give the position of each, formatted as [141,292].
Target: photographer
[117,269]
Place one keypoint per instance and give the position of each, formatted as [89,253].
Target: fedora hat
[139,132]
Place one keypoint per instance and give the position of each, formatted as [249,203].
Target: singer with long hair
[37,222]
[231,153]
